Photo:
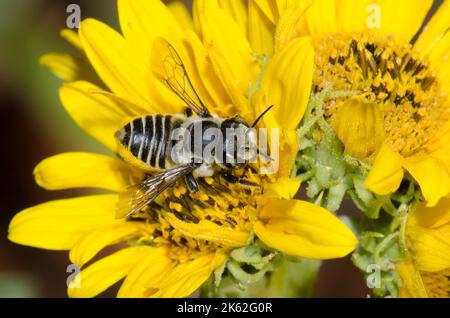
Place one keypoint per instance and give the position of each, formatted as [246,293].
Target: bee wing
[170,70]
[139,196]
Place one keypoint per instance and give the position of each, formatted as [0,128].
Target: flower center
[437,284]
[384,73]
[222,203]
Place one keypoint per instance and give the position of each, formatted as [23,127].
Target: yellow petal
[395,21]
[223,71]
[269,8]
[288,152]
[430,247]
[237,10]
[437,146]
[302,229]
[115,62]
[209,231]
[93,242]
[79,170]
[222,31]
[293,64]
[438,55]
[321,19]
[282,188]
[98,114]
[205,83]
[412,284]
[72,37]
[186,277]
[148,20]
[435,29]
[203,74]
[353,15]
[431,217]
[150,268]
[360,127]
[386,173]
[106,272]
[141,21]
[432,176]
[181,15]
[260,30]
[68,67]
[287,27]
[57,225]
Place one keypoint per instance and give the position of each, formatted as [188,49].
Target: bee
[149,142]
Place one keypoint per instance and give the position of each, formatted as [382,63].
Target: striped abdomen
[147,139]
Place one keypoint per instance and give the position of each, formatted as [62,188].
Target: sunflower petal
[395,21]
[320,19]
[90,244]
[154,265]
[86,170]
[207,230]
[186,277]
[181,15]
[353,15]
[412,284]
[431,217]
[98,114]
[260,30]
[222,31]
[269,8]
[293,64]
[72,38]
[430,247]
[223,71]
[283,188]
[302,229]
[68,67]
[386,173]
[287,27]
[115,61]
[104,273]
[57,225]
[237,10]
[203,75]
[435,29]
[432,176]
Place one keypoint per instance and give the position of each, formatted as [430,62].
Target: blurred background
[34,126]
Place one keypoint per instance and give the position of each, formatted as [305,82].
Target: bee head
[239,141]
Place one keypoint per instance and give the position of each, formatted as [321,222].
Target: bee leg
[191,183]
[188,112]
[233,179]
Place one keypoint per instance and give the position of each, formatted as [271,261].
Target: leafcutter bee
[172,147]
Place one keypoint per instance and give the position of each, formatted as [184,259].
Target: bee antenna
[261,116]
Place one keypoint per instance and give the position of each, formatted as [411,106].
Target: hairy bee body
[147,139]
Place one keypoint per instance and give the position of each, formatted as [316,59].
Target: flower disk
[392,75]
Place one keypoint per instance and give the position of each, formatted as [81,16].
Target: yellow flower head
[398,118]
[428,238]
[177,241]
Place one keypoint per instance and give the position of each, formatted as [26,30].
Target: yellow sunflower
[427,273]
[395,117]
[399,118]
[173,246]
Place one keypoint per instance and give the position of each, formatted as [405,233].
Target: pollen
[384,73]
[227,205]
